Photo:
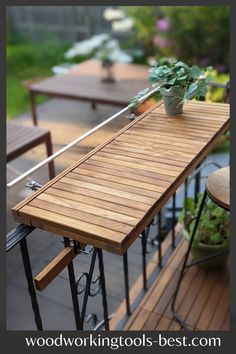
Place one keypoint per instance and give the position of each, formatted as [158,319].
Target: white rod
[78,140]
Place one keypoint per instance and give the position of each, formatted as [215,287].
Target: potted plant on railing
[212,234]
[178,83]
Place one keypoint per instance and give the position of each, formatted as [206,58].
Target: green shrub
[198,35]
[213,227]
[26,61]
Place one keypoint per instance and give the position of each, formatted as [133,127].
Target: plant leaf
[191,90]
[182,77]
[171,81]
[180,64]
[195,72]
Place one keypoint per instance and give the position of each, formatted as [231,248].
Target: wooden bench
[22,138]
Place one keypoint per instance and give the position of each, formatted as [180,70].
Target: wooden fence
[66,22]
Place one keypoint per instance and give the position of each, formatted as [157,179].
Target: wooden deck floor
[203,300]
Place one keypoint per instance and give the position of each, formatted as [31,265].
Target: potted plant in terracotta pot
[212,234]
[178,83]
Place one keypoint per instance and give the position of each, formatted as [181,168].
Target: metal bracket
[131,116]
[34,186]
[17,234]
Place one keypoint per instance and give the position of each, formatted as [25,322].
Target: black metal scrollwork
[94,288]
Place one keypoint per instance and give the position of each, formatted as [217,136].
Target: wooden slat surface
[203,300]
[107,198]
[20,137]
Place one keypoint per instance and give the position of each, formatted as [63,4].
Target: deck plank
[195,302]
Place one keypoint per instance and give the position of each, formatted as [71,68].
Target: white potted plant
[109,53]
[104,48]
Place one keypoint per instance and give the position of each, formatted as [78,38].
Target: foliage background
[198,35]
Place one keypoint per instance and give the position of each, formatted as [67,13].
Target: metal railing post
[30,281]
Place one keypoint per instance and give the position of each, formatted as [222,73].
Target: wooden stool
[217,189]
[22,138]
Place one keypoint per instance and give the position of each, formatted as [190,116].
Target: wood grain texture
[22,138]
[203,299]
[84,83]
[217,187]
[55,267]
[108,197]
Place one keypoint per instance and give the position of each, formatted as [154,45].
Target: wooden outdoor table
[108,197]
[83,82]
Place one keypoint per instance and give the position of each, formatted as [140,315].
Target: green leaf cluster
[214,224]
[171,73]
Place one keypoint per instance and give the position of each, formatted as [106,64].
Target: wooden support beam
[54,268]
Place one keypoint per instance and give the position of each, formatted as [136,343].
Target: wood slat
[110,182]
[124,172]
[139,160]
[174,141]
[136,165]
[151,151]
[151,322]
[212,303]
[134,170]
[53,222]
[112,191]
[126,151]
[121,209]
[161,145]
[187,131]
[55,267]
[20,137]
[179,138]
[83,192]
[167,133]
[219,316]
[200,303]
[127,181]
[93,210]
[78,215]
[226,324]
[193,120]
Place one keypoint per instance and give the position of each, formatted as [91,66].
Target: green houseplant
[178,82]
[212,234]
